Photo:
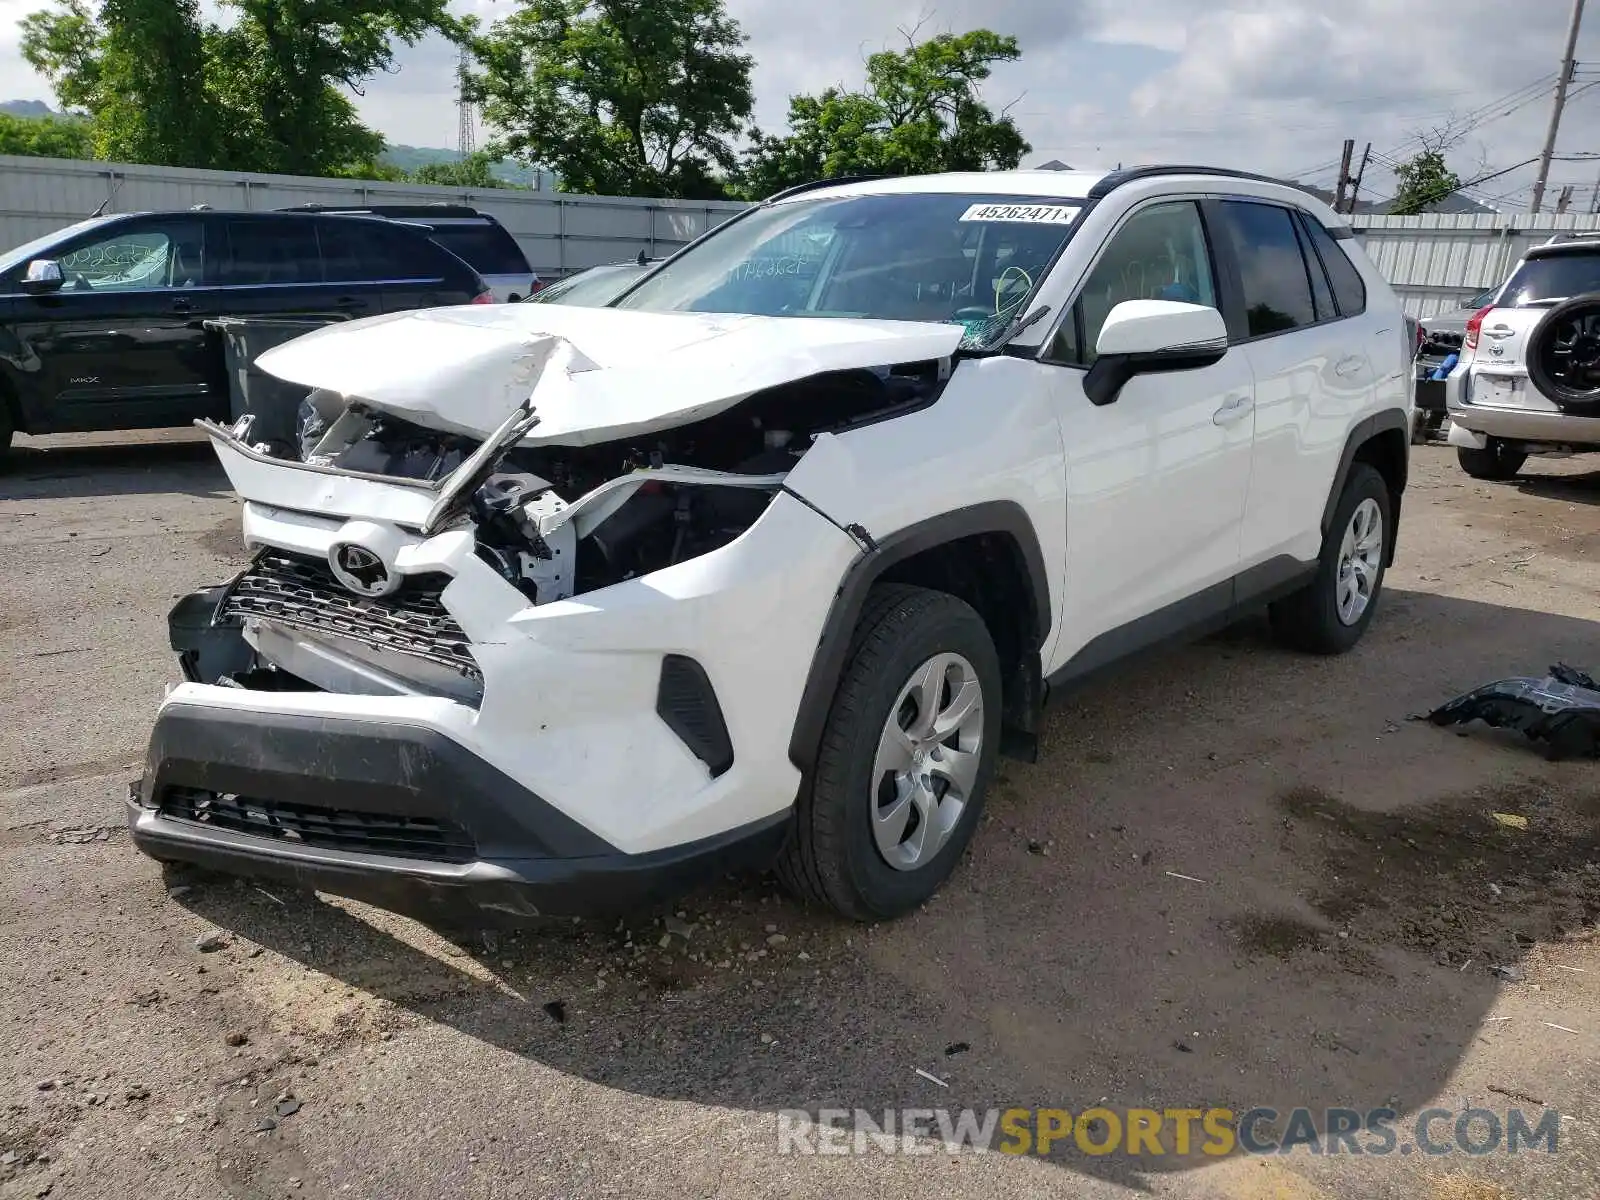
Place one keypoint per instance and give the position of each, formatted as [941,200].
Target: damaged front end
[527,662]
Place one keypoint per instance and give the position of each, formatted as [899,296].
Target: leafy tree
[261,91]
[617,97]
[920,111]
[474,171]
[46,137]
[136,65]
[1425,179]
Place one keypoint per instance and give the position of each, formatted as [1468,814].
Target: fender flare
[1363,432]
[828,662]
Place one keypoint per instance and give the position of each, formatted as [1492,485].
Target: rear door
[271,265]
[1499,376]
[1313,376]
[122,344]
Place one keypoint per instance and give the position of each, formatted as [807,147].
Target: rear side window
[270,251]
[1277,287]
[1553,277]
[487,249]
[358,250]
[1348,287]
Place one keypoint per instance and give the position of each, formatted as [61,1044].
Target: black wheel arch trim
[1364,431]
[828,662]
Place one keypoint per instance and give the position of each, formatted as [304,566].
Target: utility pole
[1567,66]
[1565,200]
[1355,187]
[1344,174]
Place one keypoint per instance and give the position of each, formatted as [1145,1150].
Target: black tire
[830,856]
[1578,320]
[7,426]
[1309,619]
[1496,462]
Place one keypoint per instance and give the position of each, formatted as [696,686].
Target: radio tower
[466,134]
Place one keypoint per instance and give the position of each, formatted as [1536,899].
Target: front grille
[303,594]
[325,828]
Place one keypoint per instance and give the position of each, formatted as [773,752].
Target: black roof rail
[440,209]
[821,183]
[1109,183]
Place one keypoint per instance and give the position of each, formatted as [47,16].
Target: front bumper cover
[528,860]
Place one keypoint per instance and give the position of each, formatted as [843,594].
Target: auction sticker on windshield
[1041,214]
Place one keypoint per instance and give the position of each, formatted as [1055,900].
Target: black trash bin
[273,403]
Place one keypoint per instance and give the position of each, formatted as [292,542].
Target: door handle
[1348,366]
[1234,408]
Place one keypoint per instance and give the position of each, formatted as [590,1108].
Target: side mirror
[1140,337]
[42,277]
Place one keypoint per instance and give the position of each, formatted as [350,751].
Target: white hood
[462,370]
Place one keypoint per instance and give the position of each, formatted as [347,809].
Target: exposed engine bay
[557,521]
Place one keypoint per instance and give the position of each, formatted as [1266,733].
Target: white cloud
[1269,85]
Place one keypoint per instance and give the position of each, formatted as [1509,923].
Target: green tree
[617,97]
[136,66]
[46,137]
[474,171]
[919,111]
[263,90]
[1425,179]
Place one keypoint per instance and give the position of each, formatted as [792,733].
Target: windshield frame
[1019,314]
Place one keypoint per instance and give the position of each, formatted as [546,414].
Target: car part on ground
[561,606]
[1562,710]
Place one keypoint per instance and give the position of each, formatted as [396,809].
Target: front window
[966,259]
[1553,277]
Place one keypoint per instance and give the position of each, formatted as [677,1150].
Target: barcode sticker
[1038,214]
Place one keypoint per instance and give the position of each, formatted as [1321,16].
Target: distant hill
[409,158]
[26,108]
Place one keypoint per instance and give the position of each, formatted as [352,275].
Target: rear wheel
[1329,614]
[905,758]
[1496,461]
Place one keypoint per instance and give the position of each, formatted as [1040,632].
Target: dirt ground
[1350,897]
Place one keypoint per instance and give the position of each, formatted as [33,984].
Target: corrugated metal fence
[559,233]
[1437,261]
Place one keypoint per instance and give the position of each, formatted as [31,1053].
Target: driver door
[121,345]
[1157,479]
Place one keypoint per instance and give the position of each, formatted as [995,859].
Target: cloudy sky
[1265,85]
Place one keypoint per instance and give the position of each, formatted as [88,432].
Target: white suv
[570,607]
[1529,377]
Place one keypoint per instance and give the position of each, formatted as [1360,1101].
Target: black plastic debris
[1562,710]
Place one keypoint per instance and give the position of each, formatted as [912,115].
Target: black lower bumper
[337,805]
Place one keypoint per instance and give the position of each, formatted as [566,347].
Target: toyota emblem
[361,571]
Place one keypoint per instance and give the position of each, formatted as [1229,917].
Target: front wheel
[905,758]
[1329,614]
[1496,462]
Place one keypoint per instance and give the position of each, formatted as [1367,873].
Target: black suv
[102,324]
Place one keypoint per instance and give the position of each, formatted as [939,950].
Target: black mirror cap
[1112,372]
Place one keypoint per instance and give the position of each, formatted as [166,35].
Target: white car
[570,608]
[1529,377]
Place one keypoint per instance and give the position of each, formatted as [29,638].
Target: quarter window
[1277,286]
[1348,288]
[1160,253]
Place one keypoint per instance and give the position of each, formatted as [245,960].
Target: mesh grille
[326,828]
[303,594]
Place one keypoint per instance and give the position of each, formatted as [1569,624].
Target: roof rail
[1109,183]
[820,183]
[1571,235]
[436,209]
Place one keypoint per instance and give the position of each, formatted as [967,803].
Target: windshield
[1552,277]
[594,288]
[961,258]
[29,251]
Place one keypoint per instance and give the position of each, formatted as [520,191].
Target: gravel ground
[1349,893]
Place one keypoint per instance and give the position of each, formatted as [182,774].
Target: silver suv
[1529,377]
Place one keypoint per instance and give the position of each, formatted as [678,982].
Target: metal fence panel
[559,233]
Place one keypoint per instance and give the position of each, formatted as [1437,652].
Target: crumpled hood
[462,370]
